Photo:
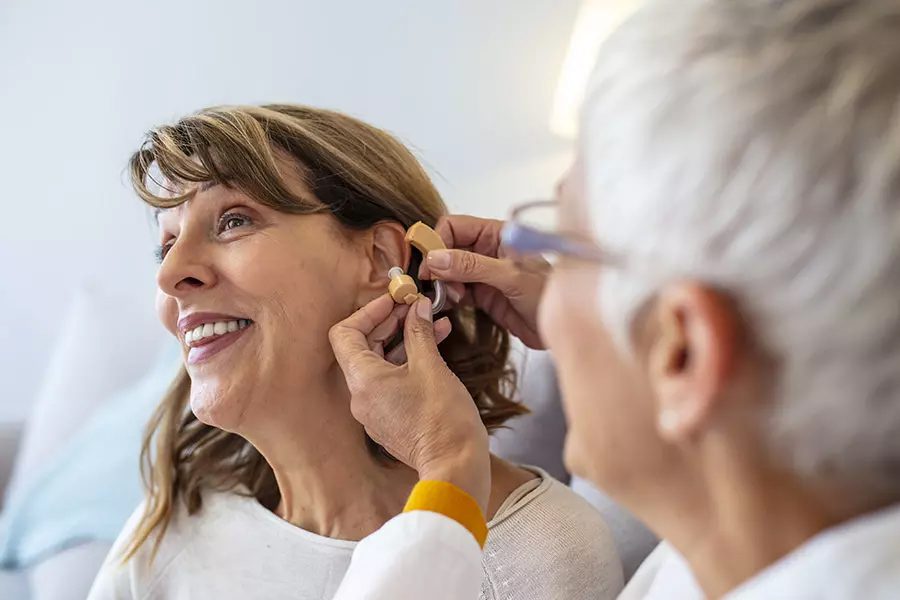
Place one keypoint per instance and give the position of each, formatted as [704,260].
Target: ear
[385,248]
[690,358]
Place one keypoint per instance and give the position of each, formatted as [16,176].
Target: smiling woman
[275,223]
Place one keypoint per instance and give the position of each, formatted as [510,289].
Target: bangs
[217,148]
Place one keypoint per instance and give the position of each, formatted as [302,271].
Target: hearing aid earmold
[402,287]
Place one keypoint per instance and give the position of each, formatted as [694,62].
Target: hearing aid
[423,238]
[402,287]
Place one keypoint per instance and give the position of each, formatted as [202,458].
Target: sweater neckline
[520,497]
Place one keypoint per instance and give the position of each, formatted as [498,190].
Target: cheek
[553,314]
[573,335]
[567,319]
[601,391]
[167,311]
[296,295]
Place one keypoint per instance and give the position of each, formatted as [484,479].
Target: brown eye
[230,221]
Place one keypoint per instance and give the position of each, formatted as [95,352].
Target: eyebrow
[204,186]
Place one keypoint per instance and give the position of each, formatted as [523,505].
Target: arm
[422,415]
[434,546]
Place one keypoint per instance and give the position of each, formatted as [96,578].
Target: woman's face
[606,396]
[251,293]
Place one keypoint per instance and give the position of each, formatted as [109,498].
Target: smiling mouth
[209,332]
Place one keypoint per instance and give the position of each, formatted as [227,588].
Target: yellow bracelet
[447,499]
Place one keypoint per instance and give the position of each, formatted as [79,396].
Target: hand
[418,411]
[504,290]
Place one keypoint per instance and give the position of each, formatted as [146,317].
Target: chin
[217,410]
[593,466]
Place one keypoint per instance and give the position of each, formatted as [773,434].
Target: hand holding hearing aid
[419,411]
[508,293]
[402,287]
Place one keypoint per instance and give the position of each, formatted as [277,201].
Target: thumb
[418,338]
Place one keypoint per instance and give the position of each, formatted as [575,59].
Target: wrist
[468,467]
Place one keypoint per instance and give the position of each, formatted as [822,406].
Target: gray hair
[755,145]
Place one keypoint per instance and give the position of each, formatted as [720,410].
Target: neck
[329,481]
[734,517]
[753,530]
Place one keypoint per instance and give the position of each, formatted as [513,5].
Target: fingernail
[439,259]
[423,308]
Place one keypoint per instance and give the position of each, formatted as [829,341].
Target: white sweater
[545,542]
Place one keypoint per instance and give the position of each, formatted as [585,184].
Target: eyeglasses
[534,229]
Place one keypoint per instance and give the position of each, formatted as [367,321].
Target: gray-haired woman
[724,311]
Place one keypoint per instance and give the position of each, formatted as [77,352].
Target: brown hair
[359,174]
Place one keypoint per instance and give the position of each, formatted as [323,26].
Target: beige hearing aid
[424,239]
[402,287]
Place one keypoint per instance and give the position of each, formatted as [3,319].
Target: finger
[462,266]
[442,329]
[455,291]
[418,334]
[348,337]
[367,318]
[387,328]
[467,233]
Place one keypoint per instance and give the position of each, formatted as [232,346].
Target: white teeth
[210,329]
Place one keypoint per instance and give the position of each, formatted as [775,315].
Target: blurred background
[485,93]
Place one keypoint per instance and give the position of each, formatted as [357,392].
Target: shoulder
[139,575]
[132,578]
[555,541]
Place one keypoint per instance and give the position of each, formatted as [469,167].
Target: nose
[186,268]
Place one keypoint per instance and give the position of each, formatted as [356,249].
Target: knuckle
[467,262]
[359,410]
[334,333]
[421,328]
[361,394]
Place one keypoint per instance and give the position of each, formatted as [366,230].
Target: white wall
[467,83]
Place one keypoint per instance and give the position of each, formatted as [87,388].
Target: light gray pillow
[89,363]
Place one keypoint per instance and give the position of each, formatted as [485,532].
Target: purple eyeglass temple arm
[524,239]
